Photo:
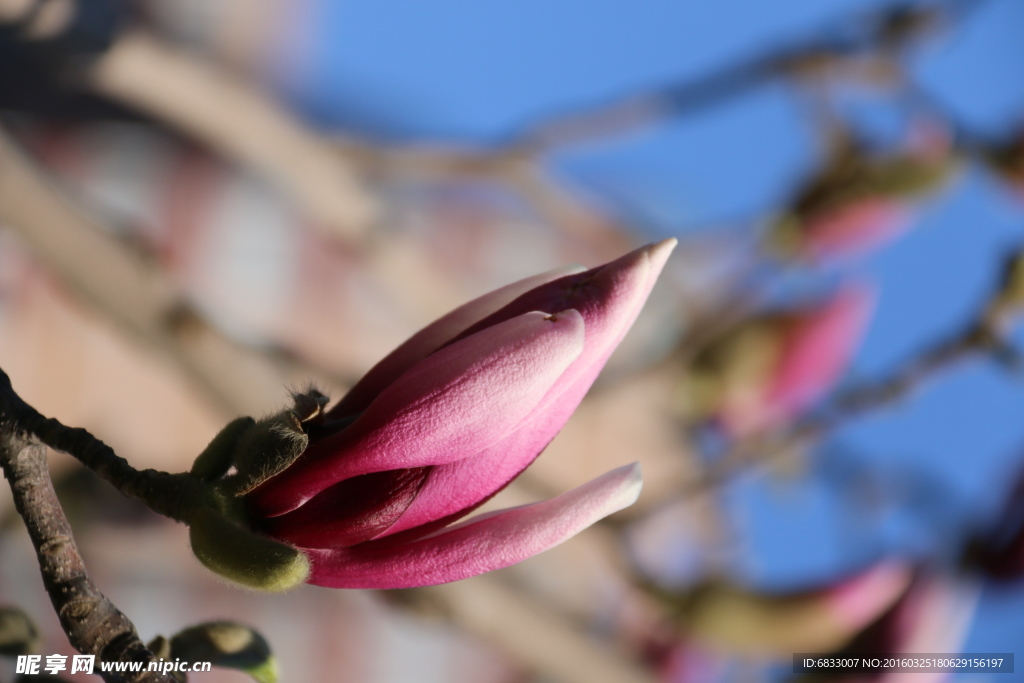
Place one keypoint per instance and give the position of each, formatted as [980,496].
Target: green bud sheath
[243,556]
[267,449]
[18,635]
[217,458]
[227,644]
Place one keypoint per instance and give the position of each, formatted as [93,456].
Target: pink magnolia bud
[770,369]
[822,619]
[861,202]
[449,419]
[931,615]
[853,229]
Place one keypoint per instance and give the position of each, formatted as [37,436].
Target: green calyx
[219,528]
[18,634]
[260,449]
[265,672]
[267,449]
[229,549]
[217,458]
[225,644]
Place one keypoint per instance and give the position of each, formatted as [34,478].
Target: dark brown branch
[92,623]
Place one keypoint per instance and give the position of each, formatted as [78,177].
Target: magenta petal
[456,489]
[479,545]
[351,511]
[433,337]
[451,405]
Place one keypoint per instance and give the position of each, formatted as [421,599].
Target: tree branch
[164,493]
[92,623]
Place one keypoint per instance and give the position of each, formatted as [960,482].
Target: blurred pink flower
[811,350]
[449,419]
[860,202]
[727,618]
[931,615]
[856,228]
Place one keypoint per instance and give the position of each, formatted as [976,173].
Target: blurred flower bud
[18,635]
[931,615]
[860,202]
[161,649]
[228,645]
[820,620]
[769,369]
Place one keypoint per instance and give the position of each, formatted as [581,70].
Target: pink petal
[454,490]
[609,298]
[351,511]
[818,349]
[478,545]
[432,337]
[451,405]
[861,599]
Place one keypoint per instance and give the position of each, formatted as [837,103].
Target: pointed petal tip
[629,480]
[658,252]
[665,245]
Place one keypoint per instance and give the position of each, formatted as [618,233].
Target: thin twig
[883,31]
[164,493]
